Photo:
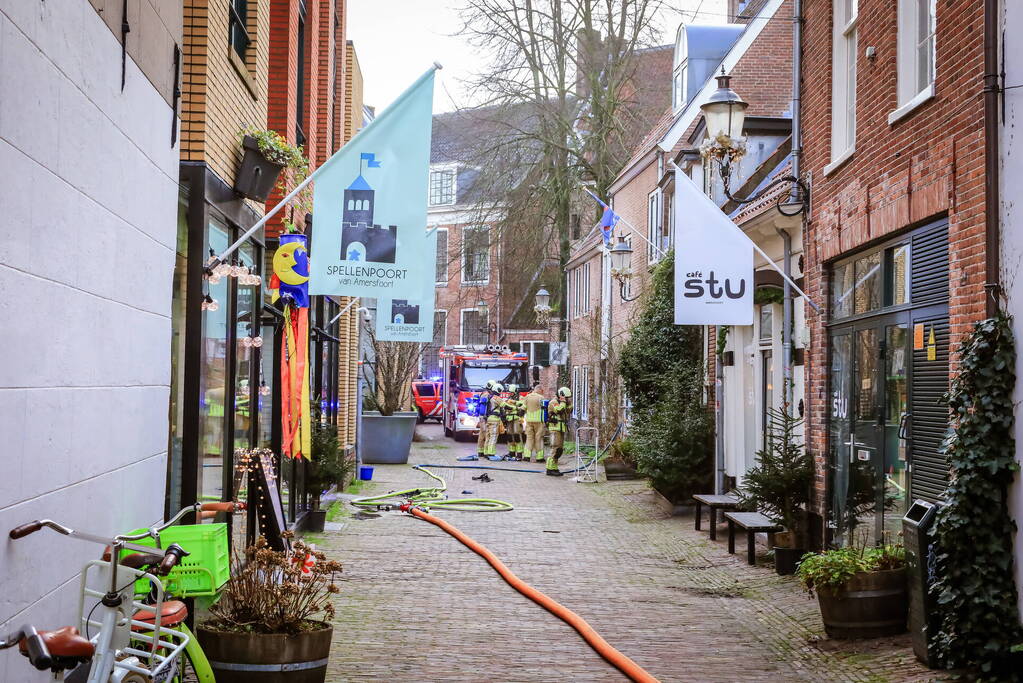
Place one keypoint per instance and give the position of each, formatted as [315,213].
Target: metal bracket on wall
[175,95]
[125,30]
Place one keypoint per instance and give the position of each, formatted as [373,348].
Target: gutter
[992,89]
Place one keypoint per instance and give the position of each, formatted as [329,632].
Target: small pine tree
[779,484]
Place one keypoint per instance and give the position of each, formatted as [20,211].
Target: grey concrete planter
[387,439]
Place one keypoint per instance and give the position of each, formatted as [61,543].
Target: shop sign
[713,262]
[410,319]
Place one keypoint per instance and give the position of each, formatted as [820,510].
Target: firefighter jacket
[533,406]
[495,406]
[557,414]
[513,408]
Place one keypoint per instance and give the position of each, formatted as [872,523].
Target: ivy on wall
[661,366]
[974,589]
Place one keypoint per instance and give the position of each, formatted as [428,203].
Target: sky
[397,40]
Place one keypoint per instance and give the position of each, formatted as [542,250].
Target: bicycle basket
[204,571]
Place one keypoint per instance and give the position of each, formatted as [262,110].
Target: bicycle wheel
[193,667]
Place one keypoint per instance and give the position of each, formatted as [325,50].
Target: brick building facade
[894,145]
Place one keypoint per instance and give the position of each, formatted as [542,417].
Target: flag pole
[621,219]
[301,186]
[767,258]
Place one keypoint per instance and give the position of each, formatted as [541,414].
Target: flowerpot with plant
[861,591]
[272,621]
[779,487]
[327,467]
[388,427]
[265,154]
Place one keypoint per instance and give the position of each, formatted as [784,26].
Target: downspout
[797,155]
[992,284]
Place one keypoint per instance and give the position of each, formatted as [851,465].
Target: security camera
[365,314]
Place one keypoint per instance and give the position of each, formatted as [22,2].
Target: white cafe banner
[713,262]
[411,318]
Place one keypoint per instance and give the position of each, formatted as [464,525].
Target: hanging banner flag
[369,205]
[713,262]
[411,319]
[290,284]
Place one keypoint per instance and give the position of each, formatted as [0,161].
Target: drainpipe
[786,330]
[992,284]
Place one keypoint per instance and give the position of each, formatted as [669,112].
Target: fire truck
[467,369]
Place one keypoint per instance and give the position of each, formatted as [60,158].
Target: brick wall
[456,295]
[353,93]
[928,164]
[221,95]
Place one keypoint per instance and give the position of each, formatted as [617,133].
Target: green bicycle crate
[204,571]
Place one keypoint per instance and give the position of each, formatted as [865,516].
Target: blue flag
[369,206]
[607,221]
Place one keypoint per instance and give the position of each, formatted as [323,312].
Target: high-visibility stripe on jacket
[534,407]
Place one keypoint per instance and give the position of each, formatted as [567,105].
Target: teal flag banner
[369,206]
[411,319]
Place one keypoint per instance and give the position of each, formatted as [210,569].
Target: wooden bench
[752,522]
[714,503]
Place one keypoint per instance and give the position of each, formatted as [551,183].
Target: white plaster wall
[1010,180]
[88,192]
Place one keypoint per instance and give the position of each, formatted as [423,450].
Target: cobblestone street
[416,605]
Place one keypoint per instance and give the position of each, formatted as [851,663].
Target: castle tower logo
[361,239]
[403,313]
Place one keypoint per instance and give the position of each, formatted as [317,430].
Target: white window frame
[446,255]
[461,323]
[911,93]
[581,392]
[679,73]
[465,261]
[653,226]
[443,168]
[843,81]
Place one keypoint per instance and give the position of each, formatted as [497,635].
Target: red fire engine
[467,369]
[427,395]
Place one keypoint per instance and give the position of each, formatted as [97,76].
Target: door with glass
[869,399]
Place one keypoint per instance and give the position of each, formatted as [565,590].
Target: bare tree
[559,90]
[394,365]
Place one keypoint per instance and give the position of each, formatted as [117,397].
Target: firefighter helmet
[564,392]
[512,388]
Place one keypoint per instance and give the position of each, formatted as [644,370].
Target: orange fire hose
[603,648]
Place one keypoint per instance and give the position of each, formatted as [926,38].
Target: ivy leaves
[975,592]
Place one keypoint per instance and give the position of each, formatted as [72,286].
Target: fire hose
[418,501]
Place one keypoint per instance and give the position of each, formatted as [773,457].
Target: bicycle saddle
[64,642]
[172,613]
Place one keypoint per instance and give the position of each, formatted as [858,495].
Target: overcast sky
[397,40]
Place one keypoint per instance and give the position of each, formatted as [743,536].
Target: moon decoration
[290,286]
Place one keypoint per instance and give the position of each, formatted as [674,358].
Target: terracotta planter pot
[267,658]
[869,605]
[257,175]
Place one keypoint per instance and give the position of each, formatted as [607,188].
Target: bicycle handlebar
[32,527]
[35,648]
[171,557]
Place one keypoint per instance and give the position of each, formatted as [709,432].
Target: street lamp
[724,114]
[543,306]
[621,266]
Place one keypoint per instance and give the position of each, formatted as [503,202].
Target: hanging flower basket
[258,175]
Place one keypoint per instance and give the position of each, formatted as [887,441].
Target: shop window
[767,404]
[867,290]
[766,322]
[897,275]
[213,389]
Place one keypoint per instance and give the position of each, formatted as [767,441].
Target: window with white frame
[580,392]
[442,186]
[917,19]
[442,256]
[475,254]
[539,352]
[843,79]
[579,290]
[473,328]
[679,75]
[430,363]
[653,226]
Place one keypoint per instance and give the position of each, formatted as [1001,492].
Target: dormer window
[442,186]
[679,71]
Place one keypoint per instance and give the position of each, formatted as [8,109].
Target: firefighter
[558,411]
[513,422]
[481,419]
[493,412]
[534,425]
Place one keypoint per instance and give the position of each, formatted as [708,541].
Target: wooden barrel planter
[869,605]
[267,658]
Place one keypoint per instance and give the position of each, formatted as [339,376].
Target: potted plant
[266,154]
[779,486]
[327,467]
[388,426]
[861,591]
[272,621]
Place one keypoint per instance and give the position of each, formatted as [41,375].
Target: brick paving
[418,606]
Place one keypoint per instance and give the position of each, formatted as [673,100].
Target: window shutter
[929,266]
[929,413]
